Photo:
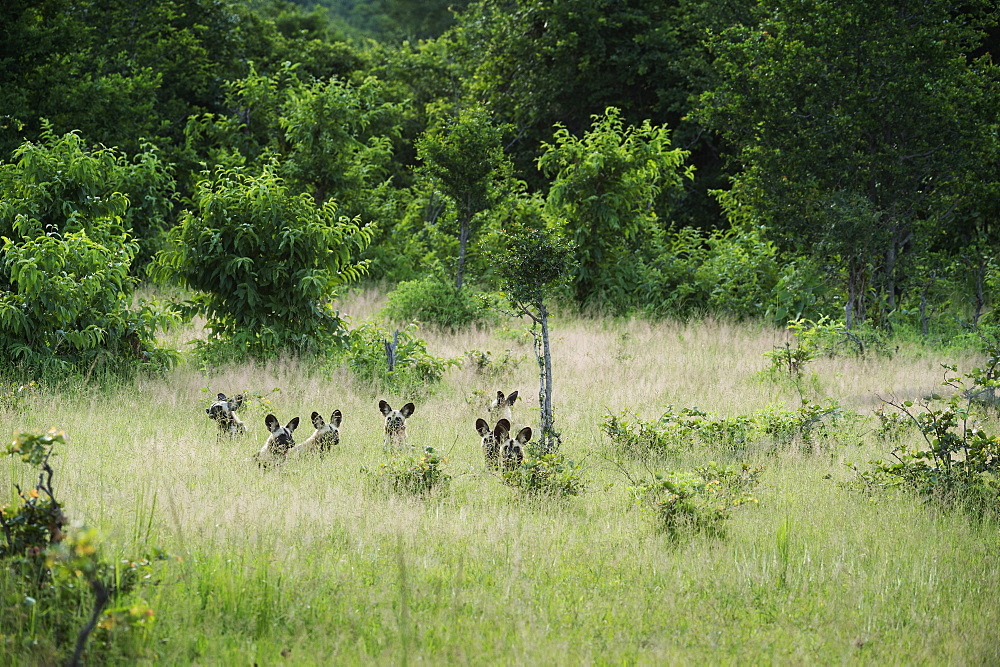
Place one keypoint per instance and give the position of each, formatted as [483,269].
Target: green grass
[312,564]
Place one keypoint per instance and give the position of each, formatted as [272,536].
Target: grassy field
[313,564]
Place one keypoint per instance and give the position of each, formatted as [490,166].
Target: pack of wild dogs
[503,446]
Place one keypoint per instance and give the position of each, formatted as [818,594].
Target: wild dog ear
[502,429]
[220,397]
[499,397]
[385,408]
[336,418]
[209,411]
[317,420]
[271,422]
[482,428]
[511,398]
[294,424]
[407,410]
[524,435]
[236,401]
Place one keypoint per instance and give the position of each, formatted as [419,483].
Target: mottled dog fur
[491,440]
[502,407]
[278,443]
[223,413]
[512,449]
[395,424]
[324,438]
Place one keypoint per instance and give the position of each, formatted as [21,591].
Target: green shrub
[494,365]
[265,264]
[414,366]
[811,425]
[432,300]
[638,438]
[958,463]
[62,185]
[66,293]
[696,502]
[548,474]
[66,304]
[417,476]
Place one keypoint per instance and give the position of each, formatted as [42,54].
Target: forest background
[771,160]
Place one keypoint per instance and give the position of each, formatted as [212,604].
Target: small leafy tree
[605,185]
[696,502]
[464,157]
[265,263]
[58,564]
[958,462]
[539,261]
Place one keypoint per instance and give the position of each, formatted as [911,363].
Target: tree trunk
[854,309]
[463,241]
[550,439]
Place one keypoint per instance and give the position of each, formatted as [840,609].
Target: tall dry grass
[315,564]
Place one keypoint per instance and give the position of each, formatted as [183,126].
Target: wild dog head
[512,449]
[502,406]
[223,412]
[492,440]
[324,438]
[395,423]
[279,442]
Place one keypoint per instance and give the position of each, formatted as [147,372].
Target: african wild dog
[502,407]
[324,438]
[278,443]
[223,412]
[512,449]
[395,423]
[492,440]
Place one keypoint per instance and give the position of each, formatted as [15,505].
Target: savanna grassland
[316,564]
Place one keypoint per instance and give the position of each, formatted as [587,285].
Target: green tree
[265,263]
[339,139]
[464,157]
[537,63]
[65,289]
[604,185]
[60,184]
[538,263]
[859,128]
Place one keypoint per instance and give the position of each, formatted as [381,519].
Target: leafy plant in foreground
[58,567]
[959,462]
[549,474]
[416,476]
[700,501]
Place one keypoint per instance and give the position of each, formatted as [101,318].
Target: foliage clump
[958,463]
[265,265]
[697,502]
[58,569]
[494,365]
[413,367]
[68,226]
[810,425]
[434,301]
[421,476]
[550,474]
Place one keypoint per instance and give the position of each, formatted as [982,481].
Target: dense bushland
[694,155]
